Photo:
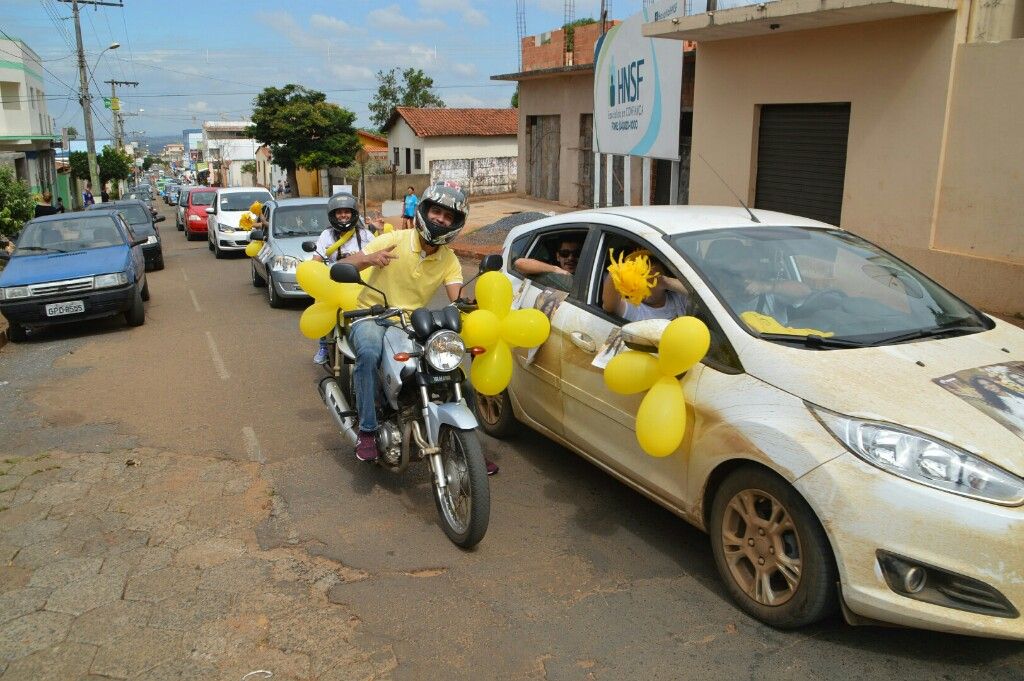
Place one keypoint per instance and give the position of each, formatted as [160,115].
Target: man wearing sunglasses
[559,271]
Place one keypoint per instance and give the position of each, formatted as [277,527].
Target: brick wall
[584,38]
[544,51]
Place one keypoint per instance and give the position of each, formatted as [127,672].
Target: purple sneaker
[366,447]
[492,468]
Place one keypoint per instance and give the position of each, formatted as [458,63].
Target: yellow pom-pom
[245,222]
[632,276]
[256,208]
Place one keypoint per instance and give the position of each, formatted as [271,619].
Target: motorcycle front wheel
[464,504]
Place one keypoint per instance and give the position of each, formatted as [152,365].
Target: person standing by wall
[409,208]
[104,196]
[87,198]
[43,205]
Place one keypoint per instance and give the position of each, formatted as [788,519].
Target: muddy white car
[855,434]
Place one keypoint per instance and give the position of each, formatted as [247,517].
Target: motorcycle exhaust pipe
[339,407]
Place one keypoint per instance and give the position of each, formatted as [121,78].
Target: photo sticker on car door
[997,390]
[547,301]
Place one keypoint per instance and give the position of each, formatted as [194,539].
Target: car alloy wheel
[762,548]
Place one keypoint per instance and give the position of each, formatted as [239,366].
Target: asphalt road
[578,577]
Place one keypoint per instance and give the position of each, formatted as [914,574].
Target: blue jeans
[367,341]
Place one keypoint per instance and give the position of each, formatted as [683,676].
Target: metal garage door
[801,159]
[544,142]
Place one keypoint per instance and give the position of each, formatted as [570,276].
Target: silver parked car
[287,223]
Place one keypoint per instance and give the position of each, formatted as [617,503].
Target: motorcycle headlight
[444,351]
[110,280]
[14,292]
[923,459]
[284,263]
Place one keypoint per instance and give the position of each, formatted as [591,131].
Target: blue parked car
[74,266]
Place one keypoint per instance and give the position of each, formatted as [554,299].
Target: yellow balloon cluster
[631,276]
[319,318]
[661,419]
[497,328]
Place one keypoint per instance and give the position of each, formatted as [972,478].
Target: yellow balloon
[494,293]
[254,248]
[492,371]
[481,328]
[631,372]
[525,328]
[685,342]
[318,319]
[661,419]
[345,295]
[388,227]
[314,278]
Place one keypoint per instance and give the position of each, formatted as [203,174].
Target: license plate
[70,307]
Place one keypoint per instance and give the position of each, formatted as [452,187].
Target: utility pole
[118,117]
[84,97]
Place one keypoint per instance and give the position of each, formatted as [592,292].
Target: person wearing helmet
[343,214]
[408,265]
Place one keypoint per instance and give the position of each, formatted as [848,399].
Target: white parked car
[222,232]
[855,435]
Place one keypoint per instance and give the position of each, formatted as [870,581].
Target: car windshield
[288,221]
[137,196]
[203,198]
[135,215]
[75,234]
[241,200]
[794,284]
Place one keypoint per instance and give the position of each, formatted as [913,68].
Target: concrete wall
[478,176]
[568,96]
[443,148]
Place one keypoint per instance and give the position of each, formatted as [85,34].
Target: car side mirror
[160,218]
[257,235]
[309,246]
[345,273]
[211,211]
[645,335]
[491,263]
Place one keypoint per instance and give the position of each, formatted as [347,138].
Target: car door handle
[583,341]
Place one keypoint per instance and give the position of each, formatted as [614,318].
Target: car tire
[257,280]
[209,244]
[748,561]
[136,316]
[145,290]
[494,413]
[273,298]
[16,333]
[158,264]
[181,227]
[219,254]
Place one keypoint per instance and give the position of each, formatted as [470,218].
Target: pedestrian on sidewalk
[280,189]
[409,208]
[288,187]
[60,205]
[43,206]
[104,196]
[87,198]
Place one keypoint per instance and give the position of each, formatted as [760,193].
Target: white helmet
[447,195]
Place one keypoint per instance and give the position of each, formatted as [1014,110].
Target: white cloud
[469,14]
[464,101]
[391,18]
[324,22]
[467,70]
[351,74]
[198,106]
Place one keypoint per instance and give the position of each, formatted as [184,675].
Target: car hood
[36,269]
[897,383]
[292,246]
[230,218]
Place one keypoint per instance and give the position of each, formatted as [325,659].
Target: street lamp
[111,46]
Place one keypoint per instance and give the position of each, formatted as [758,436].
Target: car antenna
[749,212]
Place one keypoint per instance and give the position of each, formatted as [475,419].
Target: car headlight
[14,292]
[195,218]
[283,263]
[151,239]
[923,459]
[444,351]
[225,228]
[110,280]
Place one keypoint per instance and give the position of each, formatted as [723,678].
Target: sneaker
[366,448]
[492,468]
[321,356]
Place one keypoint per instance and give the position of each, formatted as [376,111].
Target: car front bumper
[865,510]
[102,303]
[231,241]
[286,286]
[195,227]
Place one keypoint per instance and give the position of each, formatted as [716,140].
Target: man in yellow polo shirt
[408,265]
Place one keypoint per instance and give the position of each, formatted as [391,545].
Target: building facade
[27,139]
[226,147]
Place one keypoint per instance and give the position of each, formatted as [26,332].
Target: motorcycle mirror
[309,246]
[491,263]
[345,273]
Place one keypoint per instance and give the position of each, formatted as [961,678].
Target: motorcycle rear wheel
[464,504]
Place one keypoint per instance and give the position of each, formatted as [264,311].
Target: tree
[72,132]
[79,162]
[249,167]
[303,129]
[515,98]
[150,161]
[415,90]
[16,204]
[114,164]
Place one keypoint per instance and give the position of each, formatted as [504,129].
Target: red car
[199,199]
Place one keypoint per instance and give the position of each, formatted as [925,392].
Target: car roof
[684,219]
[61,217]
[308,201]
[241,190]
[202,189]
[115,204]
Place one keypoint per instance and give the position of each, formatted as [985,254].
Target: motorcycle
[423,414]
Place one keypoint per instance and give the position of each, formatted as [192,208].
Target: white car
[855,435]
[222,232]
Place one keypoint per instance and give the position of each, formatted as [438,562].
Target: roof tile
[444,122]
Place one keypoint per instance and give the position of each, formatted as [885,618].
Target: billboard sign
[637,89]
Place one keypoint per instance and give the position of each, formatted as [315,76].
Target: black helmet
[343,200]
[447,195]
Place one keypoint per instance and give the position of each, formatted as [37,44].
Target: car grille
[52,288]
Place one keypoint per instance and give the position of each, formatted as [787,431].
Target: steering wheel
[823,298]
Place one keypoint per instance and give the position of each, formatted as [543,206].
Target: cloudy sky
[199,61]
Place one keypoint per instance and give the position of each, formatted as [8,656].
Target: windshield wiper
[42,248]
[813,340]
[930,332]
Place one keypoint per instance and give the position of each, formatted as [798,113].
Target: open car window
[561,248]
